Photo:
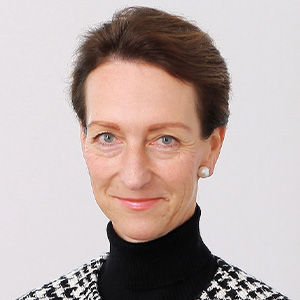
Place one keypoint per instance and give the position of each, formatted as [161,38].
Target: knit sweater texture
[176,266]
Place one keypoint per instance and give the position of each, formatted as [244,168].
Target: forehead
[138,93]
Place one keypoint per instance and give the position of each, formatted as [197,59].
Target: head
[151,94]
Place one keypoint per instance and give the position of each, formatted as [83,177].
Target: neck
[173,266]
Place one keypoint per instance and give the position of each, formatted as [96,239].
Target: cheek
[100,169]
[180,172]
[100,173]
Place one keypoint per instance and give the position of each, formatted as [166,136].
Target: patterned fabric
[228,283]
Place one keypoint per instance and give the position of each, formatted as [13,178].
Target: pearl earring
[203,172]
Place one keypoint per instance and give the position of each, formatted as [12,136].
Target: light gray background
[50,222]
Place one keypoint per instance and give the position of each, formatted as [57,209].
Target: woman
[151,93]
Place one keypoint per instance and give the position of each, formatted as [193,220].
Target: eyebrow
[104,124]
[169,124]
[153,127]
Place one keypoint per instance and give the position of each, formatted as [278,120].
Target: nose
[134,170]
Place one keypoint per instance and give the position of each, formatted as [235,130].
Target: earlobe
[215,144]
[203,172]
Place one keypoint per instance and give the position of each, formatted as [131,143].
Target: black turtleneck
[176,266]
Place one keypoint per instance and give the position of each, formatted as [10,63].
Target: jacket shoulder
[81,283]
[230,282]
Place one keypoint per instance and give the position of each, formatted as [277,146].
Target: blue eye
[167,139]
[106,138]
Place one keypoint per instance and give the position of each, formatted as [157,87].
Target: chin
[138,231]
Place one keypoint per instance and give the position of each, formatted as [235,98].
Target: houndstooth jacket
[228,283]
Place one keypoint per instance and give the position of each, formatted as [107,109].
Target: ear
[215,142]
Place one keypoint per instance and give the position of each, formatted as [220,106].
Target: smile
[139,203]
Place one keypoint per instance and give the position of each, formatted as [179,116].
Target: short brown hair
[164,40]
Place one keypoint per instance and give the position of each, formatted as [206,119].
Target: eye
[105,138]
[167,139]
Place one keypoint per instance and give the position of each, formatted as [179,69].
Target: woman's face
[143,148]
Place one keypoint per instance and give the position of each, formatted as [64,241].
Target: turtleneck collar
[175,266]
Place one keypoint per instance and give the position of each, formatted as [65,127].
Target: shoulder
[231,282]
[77,284]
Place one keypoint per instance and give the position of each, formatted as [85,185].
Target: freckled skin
[134,162]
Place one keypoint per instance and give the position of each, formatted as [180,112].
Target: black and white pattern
[228,283]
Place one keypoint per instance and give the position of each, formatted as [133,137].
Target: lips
[139,203]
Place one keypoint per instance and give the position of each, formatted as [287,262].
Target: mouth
[139,203]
